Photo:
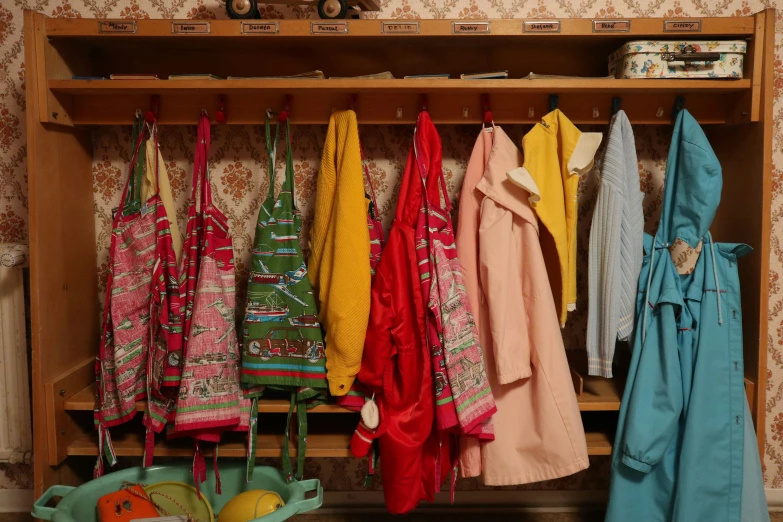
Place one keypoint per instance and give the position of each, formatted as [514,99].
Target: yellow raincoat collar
[556,153]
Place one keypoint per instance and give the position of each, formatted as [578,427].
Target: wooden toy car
[327,9]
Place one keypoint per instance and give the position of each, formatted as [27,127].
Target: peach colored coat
[538,429]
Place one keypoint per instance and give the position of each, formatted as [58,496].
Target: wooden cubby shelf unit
[61,112]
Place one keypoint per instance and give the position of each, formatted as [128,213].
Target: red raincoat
[396,363]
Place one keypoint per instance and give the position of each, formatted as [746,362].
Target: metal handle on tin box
[689,54]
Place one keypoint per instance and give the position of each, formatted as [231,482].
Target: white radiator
[15,424]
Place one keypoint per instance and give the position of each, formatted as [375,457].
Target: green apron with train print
[283,347]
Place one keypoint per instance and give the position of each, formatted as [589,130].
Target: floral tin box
[671,59]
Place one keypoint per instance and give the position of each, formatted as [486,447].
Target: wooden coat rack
[60,110]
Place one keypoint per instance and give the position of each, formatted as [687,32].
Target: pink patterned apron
[463,398]
[210,398]
[141,317]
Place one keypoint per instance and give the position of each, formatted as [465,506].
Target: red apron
[464,401]
[210,398]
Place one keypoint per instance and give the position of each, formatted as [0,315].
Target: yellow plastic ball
[250,505]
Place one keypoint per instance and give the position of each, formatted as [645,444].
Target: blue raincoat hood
[692,185]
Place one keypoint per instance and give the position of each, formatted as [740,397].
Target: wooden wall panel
[63,282]
[745,153]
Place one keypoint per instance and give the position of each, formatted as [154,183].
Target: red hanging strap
[286,112]
[199,468]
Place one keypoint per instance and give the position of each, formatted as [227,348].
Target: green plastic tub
[78,504]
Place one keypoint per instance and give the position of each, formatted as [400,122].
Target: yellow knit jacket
[339,264]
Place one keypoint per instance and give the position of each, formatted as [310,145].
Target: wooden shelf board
[132,445]
[318,445]
[597,443]
[84,400]
[433,86]
[499,28]
[599,395]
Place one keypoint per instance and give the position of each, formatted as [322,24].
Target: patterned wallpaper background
[239,169]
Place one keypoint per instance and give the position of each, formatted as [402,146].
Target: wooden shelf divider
[132,445]
[441,86]
[318,445]
[598,395]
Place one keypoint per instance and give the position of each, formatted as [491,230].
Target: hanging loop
[679,103]
[425,102]
[152,113]
[354,101]
[485,108]
[617,103]
[554,99]
[220,114]
[286,112]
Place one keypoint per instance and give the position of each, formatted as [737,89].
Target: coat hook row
[151,114]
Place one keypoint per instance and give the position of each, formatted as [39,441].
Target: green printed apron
[283,345]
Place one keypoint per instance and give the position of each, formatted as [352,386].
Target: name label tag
[470,28]
[116,26]
[329,27]
[546,26]
[260,28]
[400,28]
[190,27]
[682,26]
[611,26]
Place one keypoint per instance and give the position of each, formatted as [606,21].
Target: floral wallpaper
[239,169]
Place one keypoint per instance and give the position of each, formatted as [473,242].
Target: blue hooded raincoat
[685,449]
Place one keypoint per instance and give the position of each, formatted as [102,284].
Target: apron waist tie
[149,446]
[301,416]
[218,485]
[251,440]
[105,449]
[199,468]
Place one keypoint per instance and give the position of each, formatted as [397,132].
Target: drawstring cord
[717,281]
[649,283]
[647,293]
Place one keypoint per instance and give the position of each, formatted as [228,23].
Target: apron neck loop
[271,148]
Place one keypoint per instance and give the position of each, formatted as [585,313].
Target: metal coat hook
[283,116]
[485,108]
[220,114]
[617,102]
[679,103]
[152,113]
[554,99]
[425,102]
[354,101]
